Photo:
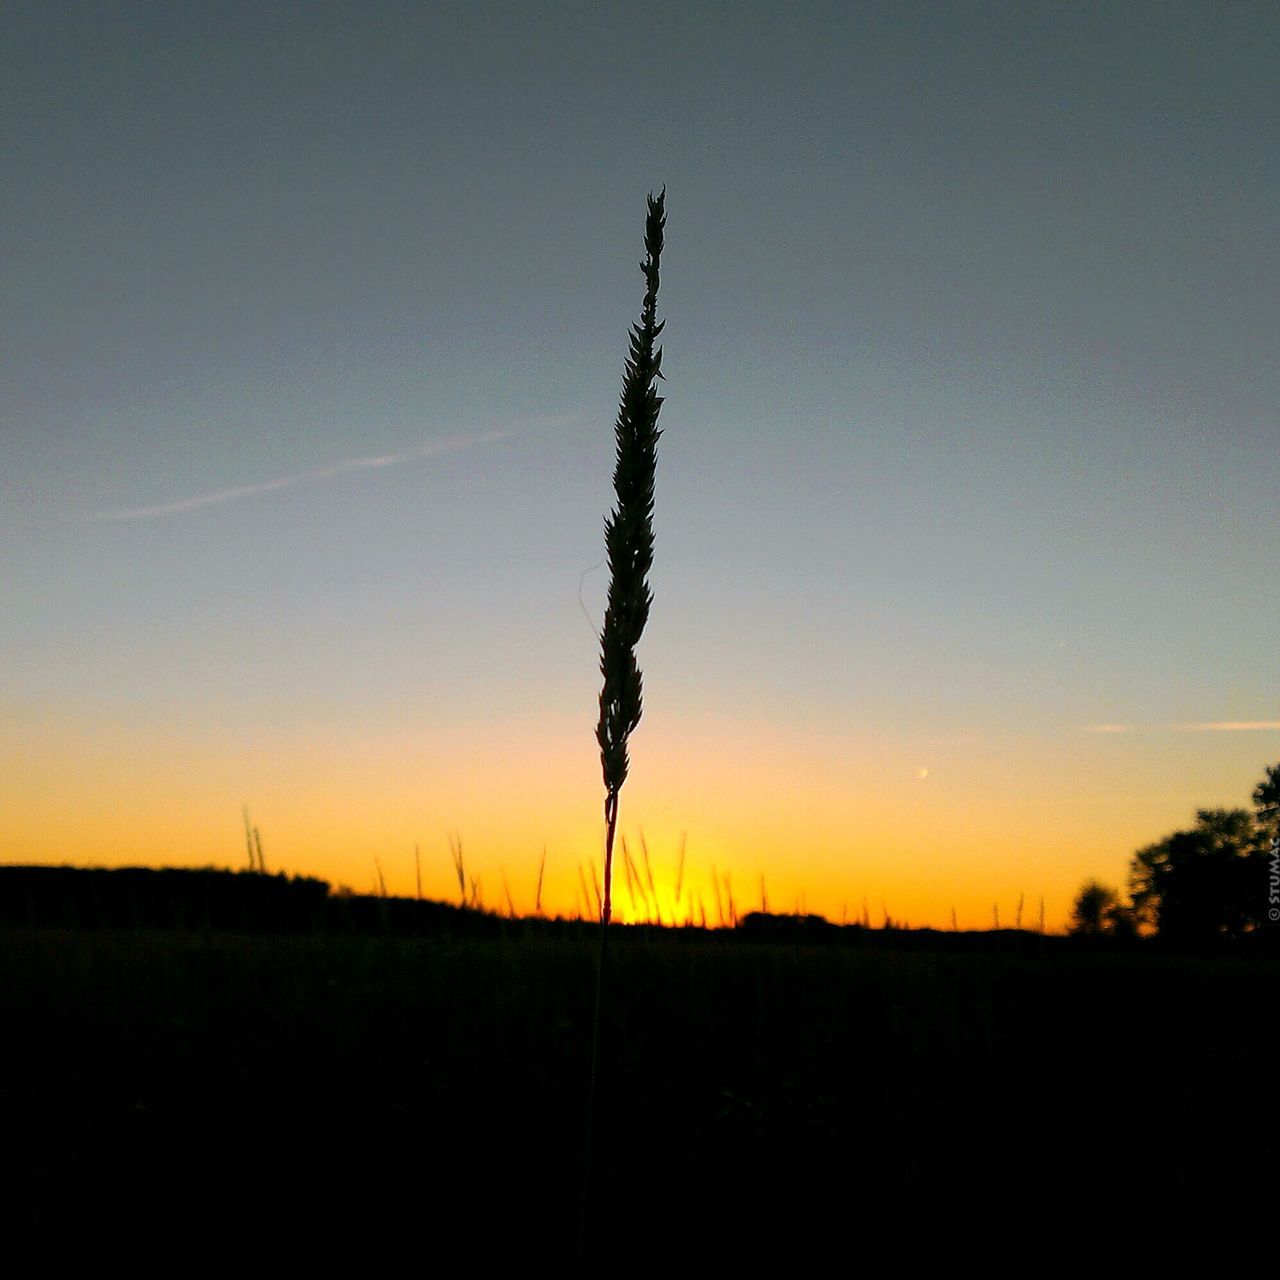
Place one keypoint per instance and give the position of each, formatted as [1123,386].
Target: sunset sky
[314,319]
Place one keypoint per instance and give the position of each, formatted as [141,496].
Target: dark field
[812,1100]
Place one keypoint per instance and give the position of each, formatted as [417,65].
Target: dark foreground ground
[764,1100]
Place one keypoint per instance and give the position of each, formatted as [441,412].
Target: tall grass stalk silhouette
[628,537]
[631,879]
[253,842]
[459,870]
[634,879]
[680,872]
[648,871]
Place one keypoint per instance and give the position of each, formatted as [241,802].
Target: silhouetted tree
[1092,910]
[1204,883]
[1121,922]
[1266,795]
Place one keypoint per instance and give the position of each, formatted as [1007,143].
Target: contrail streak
[1207,726]
[447,444]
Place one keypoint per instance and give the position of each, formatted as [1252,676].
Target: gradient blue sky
[971,431]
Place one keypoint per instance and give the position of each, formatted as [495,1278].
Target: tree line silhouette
[1205,883]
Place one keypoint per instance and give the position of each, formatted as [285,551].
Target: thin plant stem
[593,1088]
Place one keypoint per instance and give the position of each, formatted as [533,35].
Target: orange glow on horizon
[843,825]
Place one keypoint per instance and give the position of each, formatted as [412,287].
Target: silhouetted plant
[1204,883]
[248,840]
[1266,795]
[459,870]
[1091,910]
[1194,885]
[680,871]
[628,535]
[648,871]
[253,842]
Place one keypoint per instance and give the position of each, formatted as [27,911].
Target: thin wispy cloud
[1204,726]
[969,739]
[376,462]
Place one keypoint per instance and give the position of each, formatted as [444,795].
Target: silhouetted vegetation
[164,898]
[1266,795]
[768,924]
[767,1098]
[628,536]
[1205,884]
[209,900]
[1095,910]
[172,1035]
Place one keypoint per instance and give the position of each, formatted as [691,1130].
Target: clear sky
[314,318]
